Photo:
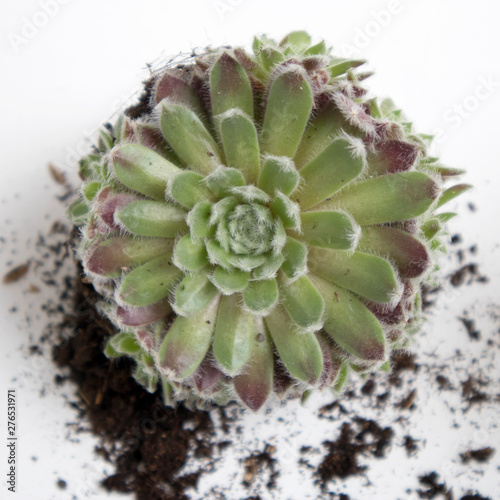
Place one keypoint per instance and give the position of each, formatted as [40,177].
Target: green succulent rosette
[260,226]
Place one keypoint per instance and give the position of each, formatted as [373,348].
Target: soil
[147,442]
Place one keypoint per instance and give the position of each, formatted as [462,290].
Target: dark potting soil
[147,442]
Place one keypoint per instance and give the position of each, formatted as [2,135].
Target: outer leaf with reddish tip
[193,293]
[188,188]
[392,156]
[152,218]
[299,351]
[278,174]
[452,193]
[138,316]
[367,275]
[335,230]
[177,91]
[114,255]
[108,202]
[254,385]
[189,255]
[142,170]
[187,343]
[288,108]
[234,334]
[230,87]
[149,283]
[410,256]
[302,302]
[335,167]
[259,296]
[240,143]
[350,324]
[388,198]
[189,138]
[206,376]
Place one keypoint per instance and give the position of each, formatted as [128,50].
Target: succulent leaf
[335,167]
[149,283]
[188,137]
[142,170]
[230,87]
[288,108]
[186,343]
[255,384]
[240,143]
[350,324]
[234,334]
[388,198]
[300,351]
[367,275]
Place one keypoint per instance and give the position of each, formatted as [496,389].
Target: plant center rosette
[260,226]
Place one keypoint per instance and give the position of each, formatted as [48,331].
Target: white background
[69,65]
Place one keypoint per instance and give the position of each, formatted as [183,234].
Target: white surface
[62,79]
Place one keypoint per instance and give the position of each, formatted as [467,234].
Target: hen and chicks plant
[260,225]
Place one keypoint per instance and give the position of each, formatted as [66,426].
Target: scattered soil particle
[16,273]
[471,392]
[403,361]
[342,457]
[257,463]
[408,402]
[474,496]
[481,455]
[56,174]
[433,487]
[62,484]
[368,387]
[443,382]
[410,445]
[467,274]
[470,326]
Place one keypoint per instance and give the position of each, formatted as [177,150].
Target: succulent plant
[258,225]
